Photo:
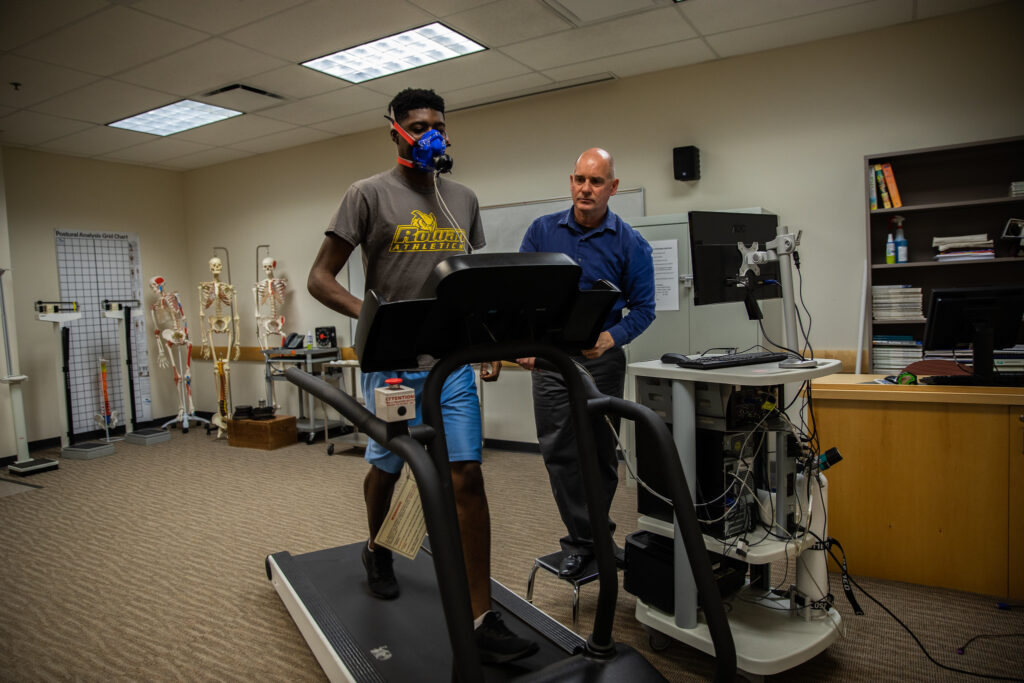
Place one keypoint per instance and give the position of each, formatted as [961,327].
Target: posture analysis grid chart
[93,267]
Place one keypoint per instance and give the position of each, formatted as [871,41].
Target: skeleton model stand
[171,330]
[220,296]
[269,297]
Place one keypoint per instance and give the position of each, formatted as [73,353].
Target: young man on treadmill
[407,220]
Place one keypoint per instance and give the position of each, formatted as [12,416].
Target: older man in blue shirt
[606,248]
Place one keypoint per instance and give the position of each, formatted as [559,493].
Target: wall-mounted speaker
[686,163]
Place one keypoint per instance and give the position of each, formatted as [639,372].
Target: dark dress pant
[558,445]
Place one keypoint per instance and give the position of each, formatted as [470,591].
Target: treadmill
[472,309]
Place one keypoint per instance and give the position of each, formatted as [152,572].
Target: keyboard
[724,360]
[1002,379]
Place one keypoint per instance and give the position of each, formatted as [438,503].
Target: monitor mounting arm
[780,249]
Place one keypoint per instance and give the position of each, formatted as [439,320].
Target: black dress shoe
[571,566]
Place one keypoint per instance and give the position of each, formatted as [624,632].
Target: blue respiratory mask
[428,153]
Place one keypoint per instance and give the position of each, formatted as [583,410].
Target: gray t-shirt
[405,232]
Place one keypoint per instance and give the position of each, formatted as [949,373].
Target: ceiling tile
[235,129]
[209,157]
[641,61]
[213,16]
[110,41]
[934,8]
[200,68]
[442,8]
[601,40]
[30,128]
[503,23]
[495,90]
[39,81]
[157,150]
[283,140]
[104,102]
[96,141]
[25,20]
[4,111]
[474,69]
[296,81]
[714,16]
[811,27]
[321,27]
[367,120]
[590,11]
[351,100]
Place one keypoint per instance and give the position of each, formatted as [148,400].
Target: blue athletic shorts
[460,409]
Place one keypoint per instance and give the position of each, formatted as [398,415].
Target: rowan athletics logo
[422,234]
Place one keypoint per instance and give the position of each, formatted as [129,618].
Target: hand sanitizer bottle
[901,241]
[890,250]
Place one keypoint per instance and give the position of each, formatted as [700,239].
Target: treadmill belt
[404,639]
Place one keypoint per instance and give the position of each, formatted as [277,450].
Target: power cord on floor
[906,628]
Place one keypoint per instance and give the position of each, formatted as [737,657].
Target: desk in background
[309,360]
[931,486]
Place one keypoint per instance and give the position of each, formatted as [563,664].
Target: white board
[505,224]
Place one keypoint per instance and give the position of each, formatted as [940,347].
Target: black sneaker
[380,573]
[498,645]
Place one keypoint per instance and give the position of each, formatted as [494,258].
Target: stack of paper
[896,302]
[964,248]
[890,353]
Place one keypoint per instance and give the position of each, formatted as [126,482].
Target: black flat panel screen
[716,258]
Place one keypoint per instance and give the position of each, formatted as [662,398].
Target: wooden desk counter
[930,487]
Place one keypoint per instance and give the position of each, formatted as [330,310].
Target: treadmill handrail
[585,398]
[439,511]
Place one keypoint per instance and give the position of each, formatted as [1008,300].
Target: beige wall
[785,129]
[47,192]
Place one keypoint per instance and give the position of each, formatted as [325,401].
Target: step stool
[550,563]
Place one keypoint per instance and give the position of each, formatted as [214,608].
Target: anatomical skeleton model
[171,330]
[220,296]
[269,297]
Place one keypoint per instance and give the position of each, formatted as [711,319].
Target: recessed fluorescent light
[400,52]
[175,118]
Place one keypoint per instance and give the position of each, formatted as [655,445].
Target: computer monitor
[987,318]
[717,260]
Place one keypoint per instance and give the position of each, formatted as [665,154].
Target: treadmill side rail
[313,621]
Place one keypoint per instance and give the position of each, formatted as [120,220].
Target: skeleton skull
[268,267]
[216,265]
[156,283]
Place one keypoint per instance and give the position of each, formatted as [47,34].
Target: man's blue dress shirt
[612,251]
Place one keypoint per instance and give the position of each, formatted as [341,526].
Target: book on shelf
[897,343]
[872,189]
[890,182]
[885,288]
[883,193]
[966,255]
[962,242]
[1017,188]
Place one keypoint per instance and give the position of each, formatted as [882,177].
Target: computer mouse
[673,358]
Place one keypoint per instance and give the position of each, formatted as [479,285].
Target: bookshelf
[946,191]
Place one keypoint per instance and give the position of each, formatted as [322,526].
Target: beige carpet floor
[148,565]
